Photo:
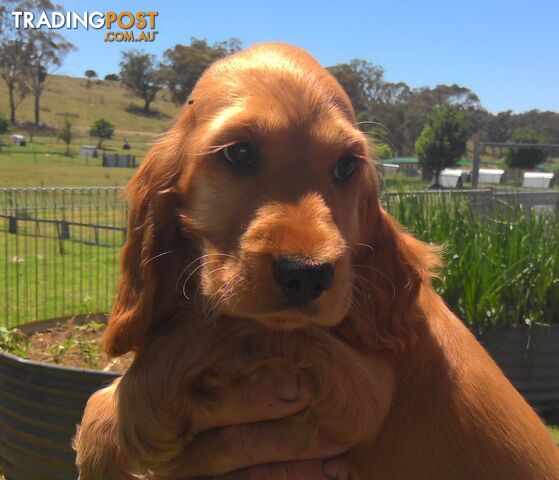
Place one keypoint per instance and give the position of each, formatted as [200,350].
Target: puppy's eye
[345,168]
[239,154]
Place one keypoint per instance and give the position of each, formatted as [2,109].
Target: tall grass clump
[501,265]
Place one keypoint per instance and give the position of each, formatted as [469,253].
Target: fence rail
[485,200]
[59,247]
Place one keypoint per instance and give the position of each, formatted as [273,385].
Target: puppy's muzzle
[302,282]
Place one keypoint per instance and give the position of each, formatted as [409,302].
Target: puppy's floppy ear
[146,289]
[391,268]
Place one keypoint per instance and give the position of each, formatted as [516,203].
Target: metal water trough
[119,160]
[529,356]
[40,406]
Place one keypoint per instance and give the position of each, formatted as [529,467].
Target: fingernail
[332,469]
[287,388]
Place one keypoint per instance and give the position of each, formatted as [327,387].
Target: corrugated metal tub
[529,356]
[40,406]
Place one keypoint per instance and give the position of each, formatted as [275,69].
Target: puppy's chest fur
[186,366]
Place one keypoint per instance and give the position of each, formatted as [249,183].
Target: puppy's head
[260,203]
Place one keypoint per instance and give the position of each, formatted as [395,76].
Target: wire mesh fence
[59,248]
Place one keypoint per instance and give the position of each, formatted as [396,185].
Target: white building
[18,140]
[538,179]
[451,177]
[489,175]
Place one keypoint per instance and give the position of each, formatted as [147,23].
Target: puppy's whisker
[185,269]
[192,273]
[360,292]
[380,139]
[368,246]
[359,305]
[212,150]
[381,273]
[200,258]
[163,254]
[207,300]
[225,296]
[371,122]
[209,274]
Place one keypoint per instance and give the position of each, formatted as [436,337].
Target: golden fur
[396,376]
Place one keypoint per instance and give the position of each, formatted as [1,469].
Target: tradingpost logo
[120,26]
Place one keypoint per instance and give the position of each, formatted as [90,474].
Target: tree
[141,73]
[89,74]
[45,51]
[103,130]
[184,64]
[65,135]
[112,77]
[402,110]
[362,81]
[12,58]
[383,151]
[443,140]
[526,158]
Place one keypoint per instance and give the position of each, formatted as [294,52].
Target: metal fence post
[475,170]
[12,225]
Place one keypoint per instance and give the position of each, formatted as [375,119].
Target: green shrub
[103,130]
[4,123]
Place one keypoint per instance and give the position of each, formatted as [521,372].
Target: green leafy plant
[103,130]
[524,157]
[13,341]
[500,266]
[65,134]
[443,139]
[59,350]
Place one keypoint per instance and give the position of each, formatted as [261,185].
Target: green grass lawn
[49,271]
[45,278]
[399,183]
[44,163]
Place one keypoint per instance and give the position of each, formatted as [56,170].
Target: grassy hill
[84,102]
[43,162]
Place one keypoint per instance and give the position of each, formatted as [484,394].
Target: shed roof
[538,175]
[400,160]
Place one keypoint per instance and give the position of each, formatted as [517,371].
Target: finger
[333,469]
[266,395]
[242,446]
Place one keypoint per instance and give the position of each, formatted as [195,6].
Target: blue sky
[505,51]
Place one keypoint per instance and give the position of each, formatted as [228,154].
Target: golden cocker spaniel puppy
[256,244]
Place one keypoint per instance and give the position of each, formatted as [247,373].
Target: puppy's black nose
[302,282]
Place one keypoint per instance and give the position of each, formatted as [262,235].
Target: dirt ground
[68,344]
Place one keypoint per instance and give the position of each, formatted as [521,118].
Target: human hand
[249,435]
